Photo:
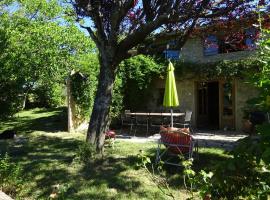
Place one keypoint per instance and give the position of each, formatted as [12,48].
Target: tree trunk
[99,121]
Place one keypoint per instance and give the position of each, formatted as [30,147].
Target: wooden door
[202,104]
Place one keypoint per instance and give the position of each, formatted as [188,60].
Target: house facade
[216,103]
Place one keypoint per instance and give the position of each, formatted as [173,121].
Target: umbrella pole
[171,117]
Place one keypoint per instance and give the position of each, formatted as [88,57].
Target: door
[208,105]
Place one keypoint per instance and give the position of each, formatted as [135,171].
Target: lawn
[47,154]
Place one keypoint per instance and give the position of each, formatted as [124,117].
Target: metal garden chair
[127,120]
[187,121]
[174,144]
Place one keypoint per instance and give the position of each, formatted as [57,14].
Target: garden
[103,56]
[45,155]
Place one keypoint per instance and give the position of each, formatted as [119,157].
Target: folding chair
[140,121]
[110,136]
[176,143]
[156,121]
[187,121]
[127,120]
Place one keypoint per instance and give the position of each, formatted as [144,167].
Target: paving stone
[3,196]
[221,139]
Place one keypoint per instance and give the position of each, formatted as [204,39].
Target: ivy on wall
[81,90]
[137,75]
[132,82]
[223,69]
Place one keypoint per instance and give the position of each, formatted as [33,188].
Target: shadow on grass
[47,161]
[47,124]
[207,159]
[109,171]
[44,160]
[47,120]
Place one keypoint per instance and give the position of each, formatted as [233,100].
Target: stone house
[217,103]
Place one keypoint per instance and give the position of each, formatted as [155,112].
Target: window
[238,41]
[172,52]
[211,45]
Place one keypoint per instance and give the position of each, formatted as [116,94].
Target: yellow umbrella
[170,96]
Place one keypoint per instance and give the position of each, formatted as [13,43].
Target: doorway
[208,105]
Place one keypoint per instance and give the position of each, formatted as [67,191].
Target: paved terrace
[3,196]
[220,139]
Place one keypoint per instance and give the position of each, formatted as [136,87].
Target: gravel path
[220,139]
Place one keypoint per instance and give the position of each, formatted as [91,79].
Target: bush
[10,98]
[82,91]
[247,174]
[86,153]
[10,176]
[48,96]
[137,74]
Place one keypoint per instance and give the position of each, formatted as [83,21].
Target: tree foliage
[137,74]
[261,77]
[38,49]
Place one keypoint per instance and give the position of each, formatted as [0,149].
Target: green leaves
[142,69]
[10,175]
[38,48]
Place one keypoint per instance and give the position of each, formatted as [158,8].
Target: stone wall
[193,52]
[186,95]
[187,98]
[244,92]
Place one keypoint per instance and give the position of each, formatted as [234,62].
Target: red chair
[176,143]
[110,136]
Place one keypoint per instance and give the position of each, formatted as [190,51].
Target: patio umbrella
[170,96]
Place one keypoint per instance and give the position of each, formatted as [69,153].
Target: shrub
[48,95]
[82,90]
[137,74]
[10,176]
[86,153]
[247,174]
[10,98]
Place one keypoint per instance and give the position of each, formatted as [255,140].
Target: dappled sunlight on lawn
[37,120]
[49,158]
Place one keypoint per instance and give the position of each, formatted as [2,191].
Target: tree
[261,77]
[125,28]
[38,48]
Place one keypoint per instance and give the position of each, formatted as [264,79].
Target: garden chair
[141,121]
[187,121]
[175,143]
[127,120]
[110,136]
[156,121]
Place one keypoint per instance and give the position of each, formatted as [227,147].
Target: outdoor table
[155,114]
[148,116]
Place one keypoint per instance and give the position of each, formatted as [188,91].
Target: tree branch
[91,33]
[141,33]
[221,12]
[92,9]
[118,14]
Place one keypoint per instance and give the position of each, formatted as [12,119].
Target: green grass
[46,154]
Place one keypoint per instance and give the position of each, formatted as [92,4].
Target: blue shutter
[211,45]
